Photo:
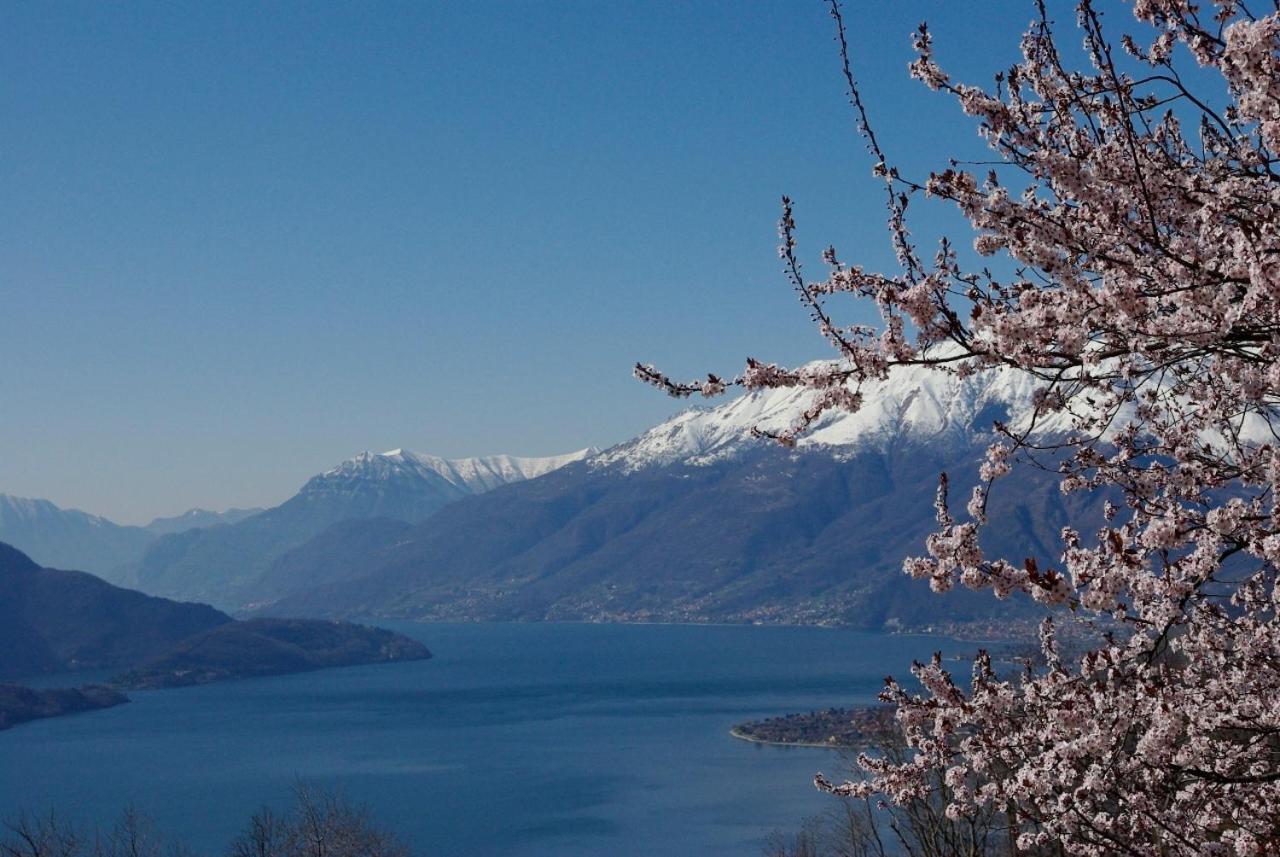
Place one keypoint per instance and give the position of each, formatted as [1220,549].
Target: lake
[515,739]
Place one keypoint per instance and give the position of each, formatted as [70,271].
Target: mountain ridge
[55,620]
[696,520]
[217,564]
[198,517]
[71,538]
[915,402]
[776,536]
[692,520]
[474,474]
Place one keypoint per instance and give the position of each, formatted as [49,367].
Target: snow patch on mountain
[468,475]
[914,402]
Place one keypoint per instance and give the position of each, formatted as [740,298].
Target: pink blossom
[1140,227]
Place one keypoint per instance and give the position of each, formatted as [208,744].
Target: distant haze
[239,244]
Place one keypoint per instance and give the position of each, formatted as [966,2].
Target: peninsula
[831,728]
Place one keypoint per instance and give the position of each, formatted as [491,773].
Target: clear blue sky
[240,242]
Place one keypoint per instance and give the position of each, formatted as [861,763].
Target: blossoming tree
[1141,219]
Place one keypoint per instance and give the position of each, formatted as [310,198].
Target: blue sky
[241,242]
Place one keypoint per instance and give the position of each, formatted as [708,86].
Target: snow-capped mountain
[913,404]
[408,486]
[215,564]
[694,520]
[464,475]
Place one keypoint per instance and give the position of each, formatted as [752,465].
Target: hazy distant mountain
[193,518]
[69,538]
[695,520]
[215,564]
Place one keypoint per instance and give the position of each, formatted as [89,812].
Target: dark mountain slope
[768,535]
[59,621]
[263,647]
[216,563]
[324,559]
[19,704]
[697,520]
[52,620]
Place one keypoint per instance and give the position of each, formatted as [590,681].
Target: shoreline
[750,739]
[857,727]
[823,626]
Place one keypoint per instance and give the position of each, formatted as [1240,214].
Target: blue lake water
[515,739]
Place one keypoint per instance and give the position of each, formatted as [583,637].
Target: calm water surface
[515,739]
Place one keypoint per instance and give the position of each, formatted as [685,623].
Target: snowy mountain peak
[467,475]
[914,402]
[197,517]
